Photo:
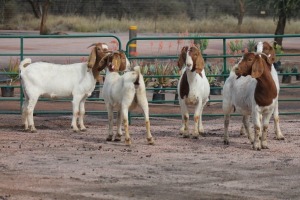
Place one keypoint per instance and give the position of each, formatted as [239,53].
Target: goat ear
[199,64]
[257,67]
[182,57]
[123,61]
[92,58]
[103,62]
[270,51]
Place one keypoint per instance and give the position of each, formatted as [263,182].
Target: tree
[241,13]
[283,10]
[40,10]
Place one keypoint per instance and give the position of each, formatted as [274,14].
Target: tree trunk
[280,28]
[281,23]
[35,8]
[241,14]
[43,28]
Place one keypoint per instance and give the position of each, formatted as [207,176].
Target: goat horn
[92,45]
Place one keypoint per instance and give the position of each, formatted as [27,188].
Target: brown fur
[182,57]
[116,59]
[96,55]
[258,66]
[198,60]
[184,86]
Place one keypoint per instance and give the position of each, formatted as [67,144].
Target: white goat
[124,93]
[193,89]
[253,95]
[56,80]
[266,48]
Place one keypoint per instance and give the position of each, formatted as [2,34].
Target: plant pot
[216,91]
[7,91]
[176,102]
[158,97]
[286,79]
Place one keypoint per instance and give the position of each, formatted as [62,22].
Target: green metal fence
[22,52]
[223,56]
[23,48]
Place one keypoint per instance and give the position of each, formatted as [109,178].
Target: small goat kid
[193,89]
[123,93]
[253,95]
[54,80]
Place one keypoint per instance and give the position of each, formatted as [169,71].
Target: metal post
[132,46]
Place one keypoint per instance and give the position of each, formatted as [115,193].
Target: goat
[267,49]
[123,93]
[55,80]
[253,95]
[193,89]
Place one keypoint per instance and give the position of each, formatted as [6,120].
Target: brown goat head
[115,61]
[269,51]
[98,52]
[252,64]
[198,61]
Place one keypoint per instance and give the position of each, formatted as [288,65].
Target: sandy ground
[56,163]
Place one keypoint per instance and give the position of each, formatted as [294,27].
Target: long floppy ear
[103,62]
[123,61]
[182,57]
[116,62]
[199,64]
[92,58]
[270,51]
[257,67]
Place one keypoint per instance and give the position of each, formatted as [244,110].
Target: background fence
[153,53]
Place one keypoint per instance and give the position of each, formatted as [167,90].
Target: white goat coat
[57,80]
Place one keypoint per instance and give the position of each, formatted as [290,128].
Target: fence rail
[23,47]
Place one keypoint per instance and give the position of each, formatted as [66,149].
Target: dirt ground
[57,163]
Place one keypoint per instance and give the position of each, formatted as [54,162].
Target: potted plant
[160,81]
[12,74]
[215,82]
[278,52]
[286,77]
[251,45]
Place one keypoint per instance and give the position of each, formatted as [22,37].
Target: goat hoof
[226,142]
[150,141]
[195,137]
[83,130]
[184,135]
[128,141]
[109,138]
[118,138]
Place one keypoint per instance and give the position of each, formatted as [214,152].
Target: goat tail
[137,69]
[24,63]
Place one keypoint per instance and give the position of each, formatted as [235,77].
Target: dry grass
[224,24]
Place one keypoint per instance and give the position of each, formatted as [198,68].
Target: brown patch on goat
[198,61]
[258,66]
[184,86]
[182,57]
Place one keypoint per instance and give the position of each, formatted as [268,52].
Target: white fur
[279,135]
[239,94]
[198,97]
[55,80]
[120,93]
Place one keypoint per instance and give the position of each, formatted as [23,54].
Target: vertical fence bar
[225,58]
[132,45]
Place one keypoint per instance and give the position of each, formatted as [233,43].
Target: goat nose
[189,64]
